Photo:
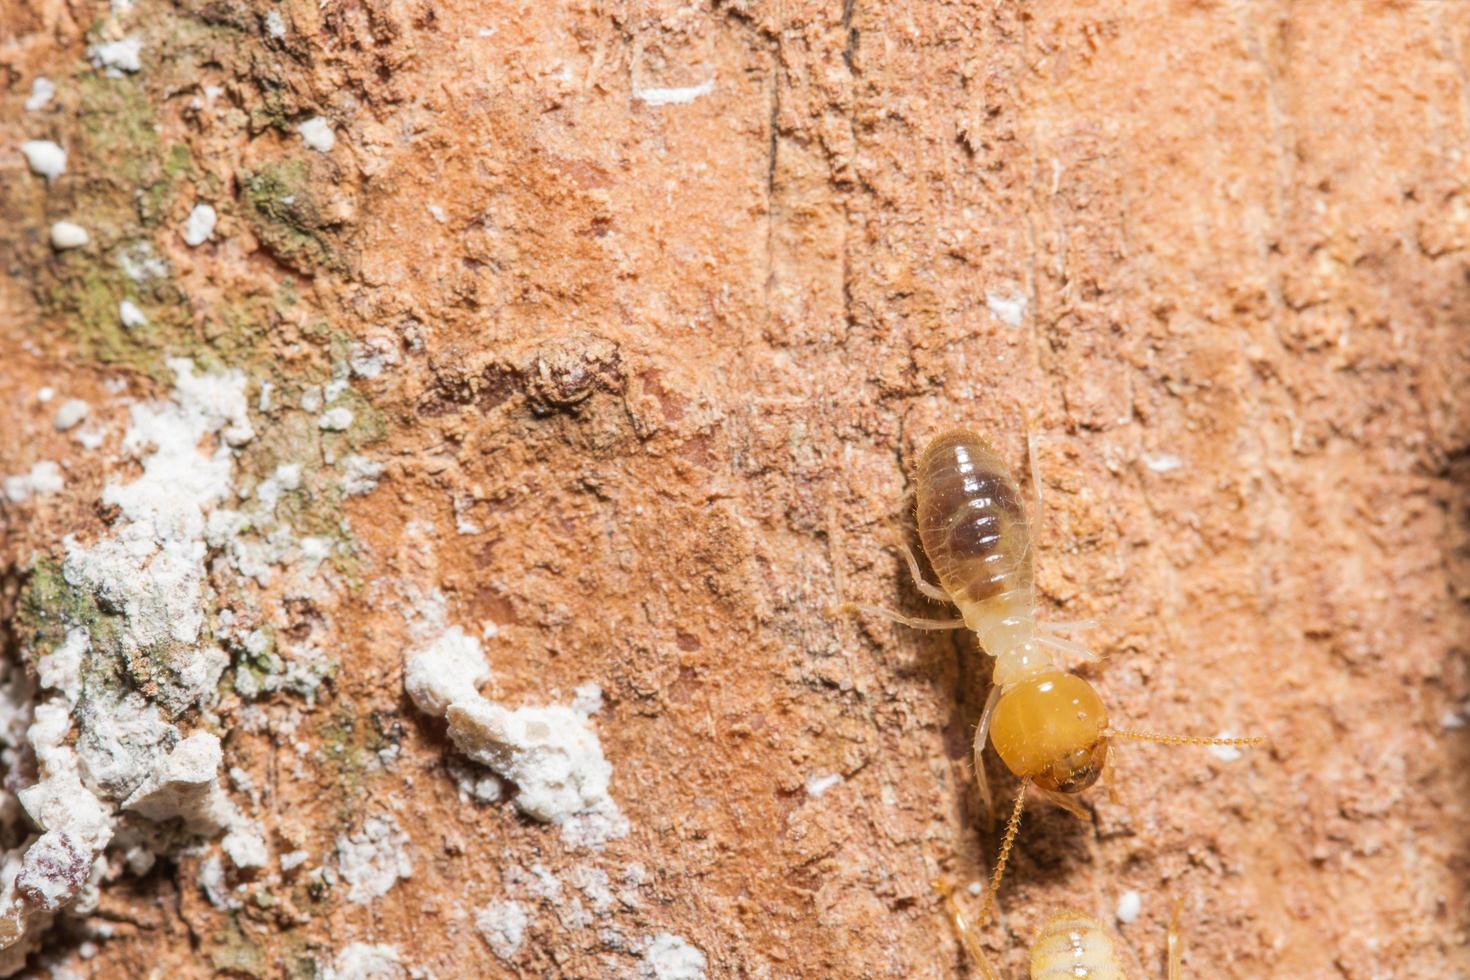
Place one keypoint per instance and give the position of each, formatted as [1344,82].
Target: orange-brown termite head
[1052,729]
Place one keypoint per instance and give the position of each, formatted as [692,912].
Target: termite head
[1052,730]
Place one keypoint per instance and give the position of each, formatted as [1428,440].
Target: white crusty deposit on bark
[550,753]
[135,620]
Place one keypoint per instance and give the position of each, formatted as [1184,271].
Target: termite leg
[1068,625]
[964,929]
[1176,944]
[1035,470]
[929,589]
[906,511]
[1066,646]
[982,733]
[913,622]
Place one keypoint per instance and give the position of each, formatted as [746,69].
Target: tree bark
[578,355]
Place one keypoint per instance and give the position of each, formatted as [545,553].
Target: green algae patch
[117,133]
[278,202]
[235,953]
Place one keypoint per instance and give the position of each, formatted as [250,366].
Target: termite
[1070,944]
[1048,725]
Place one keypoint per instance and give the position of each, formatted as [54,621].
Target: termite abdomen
[973,527]
[1072,945]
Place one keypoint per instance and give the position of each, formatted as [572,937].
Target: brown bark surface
[669,298]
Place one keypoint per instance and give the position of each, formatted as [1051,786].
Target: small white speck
[317,133]
[1163,463]
[1008,308]
[335,419]
[46,158]
[1130,903]
[293,859]
[1451,720]
[1225,753]
[438,213]
[817,785]
[70,414]
[130,315]
[117,56]
[90,438]
[65,234]
[45,394]
[975,889]
[275,26]
[200,226]
[43,90]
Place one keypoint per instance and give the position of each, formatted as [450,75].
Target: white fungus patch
[337,419]
[111,759]
[360,475]
[1009,308]
[1130,904]
[139,263]
[1225,753]
[130,316]
[246,849]
[503,927]
[674,96]
[275,25]
[43,90]
[475,782]
[116,57]
[199,227]
[70,414]
[549,753]
[1163,463]
[45,158]
[186,786]
[43,479]
[372,861]
[68,234]
[361,961]
[586,699]
[317,134]
[369,358]
[670,957]
[816,785]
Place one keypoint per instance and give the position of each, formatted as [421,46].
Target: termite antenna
[1183,739]
[1012,827]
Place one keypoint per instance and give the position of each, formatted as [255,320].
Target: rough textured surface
[608,333]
